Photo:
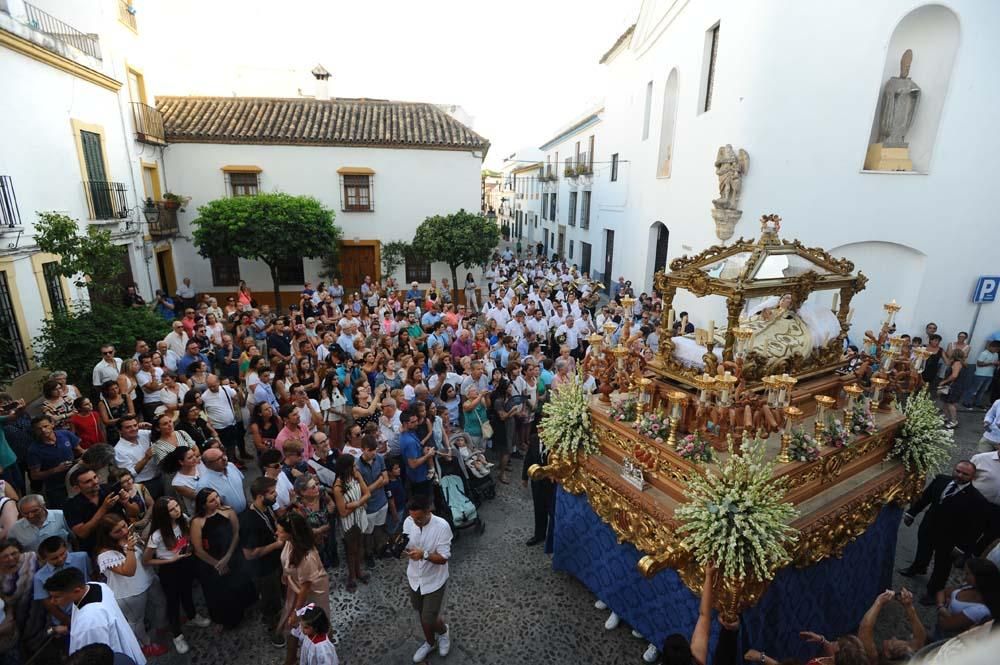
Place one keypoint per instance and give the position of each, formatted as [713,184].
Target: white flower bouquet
[922,444]
[566,426]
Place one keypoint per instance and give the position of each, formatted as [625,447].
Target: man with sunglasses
[108,368]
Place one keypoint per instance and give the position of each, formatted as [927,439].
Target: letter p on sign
[986,289]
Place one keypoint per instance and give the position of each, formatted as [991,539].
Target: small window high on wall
[711,55]
[647,109]
[912,91]
[665,160]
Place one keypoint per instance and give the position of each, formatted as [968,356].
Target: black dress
[227,596]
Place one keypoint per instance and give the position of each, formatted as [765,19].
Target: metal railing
[10,214]
[53,27]
[164,224]
[106,200]
[148,124]
[126,14]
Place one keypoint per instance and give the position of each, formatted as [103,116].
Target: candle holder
[878,387]
[620,354]
[854,391]
[609,330]
[792,413]
[888,359]
[743,335]
[771,383]
[627,303]
[724,387]
[677,401]
[595,342]
[787,384]
[896,344]
[920,357]
[705,384]
[823,404]
[645,397]
[890,311]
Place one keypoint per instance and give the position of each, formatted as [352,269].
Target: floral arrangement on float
[566,427]
[694,448]
[861,421]
[803,447]
[738,515]
[624,410]
[654,425]
[923,444]
[835,434]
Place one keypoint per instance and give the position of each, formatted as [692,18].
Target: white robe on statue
[102,622]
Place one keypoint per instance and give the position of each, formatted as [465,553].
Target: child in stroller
[474,459]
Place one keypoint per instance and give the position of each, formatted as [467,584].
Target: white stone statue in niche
[730,166]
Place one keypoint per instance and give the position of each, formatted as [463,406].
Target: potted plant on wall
[173,201]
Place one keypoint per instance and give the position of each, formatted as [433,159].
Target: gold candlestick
[878,386]
[823,404]
[644,398]
[791,415]
[677,401]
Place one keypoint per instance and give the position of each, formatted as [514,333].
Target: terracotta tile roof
[338,121]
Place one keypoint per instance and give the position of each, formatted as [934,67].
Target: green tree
[69,341]
[272,228]
[461,238]
[393,255]
[91,259]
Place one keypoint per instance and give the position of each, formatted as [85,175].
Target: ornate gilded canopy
[745,269]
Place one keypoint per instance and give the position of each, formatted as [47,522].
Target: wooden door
[609,257]
[165,269]
[356,261]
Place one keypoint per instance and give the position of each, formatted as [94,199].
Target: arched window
[663,163]
[930,33]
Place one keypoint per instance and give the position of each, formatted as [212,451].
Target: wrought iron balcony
[148,124]
[106,200]
[67,34]
[162,219]
[10,214]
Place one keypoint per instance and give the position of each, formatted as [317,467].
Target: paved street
[505,603]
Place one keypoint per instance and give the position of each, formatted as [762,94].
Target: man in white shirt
[221,404]
[169,357]
[134,452]
[429,550]
[222,476]
[389,425]
[991,429]
[987,479]
[177,339]
[108,368]
[569,329]
[37,523]
[309,414]
[538,325]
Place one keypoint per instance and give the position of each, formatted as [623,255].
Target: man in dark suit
[542,491]
[955,517]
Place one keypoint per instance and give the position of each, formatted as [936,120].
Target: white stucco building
[798,86]
[81,139]
[382,166]
[520,196]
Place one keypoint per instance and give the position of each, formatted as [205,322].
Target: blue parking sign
[986,289]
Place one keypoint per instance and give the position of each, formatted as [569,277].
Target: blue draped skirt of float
[829,597]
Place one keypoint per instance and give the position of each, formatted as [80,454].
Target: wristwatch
[427,555]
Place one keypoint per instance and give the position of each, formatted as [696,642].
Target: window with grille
[552,207]
[418,269]
[53,286]
[572,209]
[614,167]
[585,211]
[358,193]
[290,271]
[225,270]
[244,184]
[12,352]
[571,249]
[545,206]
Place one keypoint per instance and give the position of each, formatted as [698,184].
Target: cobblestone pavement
[504,604]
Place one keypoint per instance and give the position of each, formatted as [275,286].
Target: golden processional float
[776,365]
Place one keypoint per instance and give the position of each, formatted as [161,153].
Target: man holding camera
[429,550]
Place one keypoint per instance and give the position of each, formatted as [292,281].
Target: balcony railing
[106,200]
[126,13]
[53,27]
[148,124]
[10,214]
[162,219]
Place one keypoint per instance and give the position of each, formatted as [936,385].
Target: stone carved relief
[730,166]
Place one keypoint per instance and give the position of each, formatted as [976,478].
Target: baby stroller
[456,494]
[478,479]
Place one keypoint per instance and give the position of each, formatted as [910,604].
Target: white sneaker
[652,653]
[636,633]
[422,653]
[181,644]
[612,622]
[444,642]
[201,621]
[600,604]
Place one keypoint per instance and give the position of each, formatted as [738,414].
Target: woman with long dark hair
[119,560]
[197,428]
[265,425]
[307,581]
[972,603]
[350,493]
[215,534]
[169,551]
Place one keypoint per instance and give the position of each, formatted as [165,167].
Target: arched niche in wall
[931,34]
[657,245]
[665,160]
